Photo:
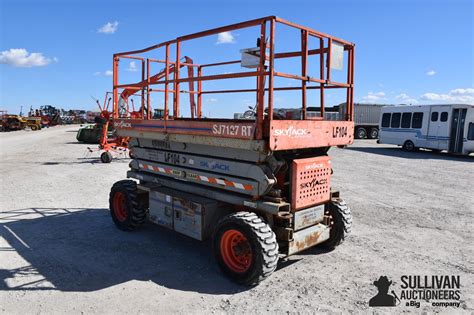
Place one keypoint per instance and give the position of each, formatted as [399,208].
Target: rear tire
[374,133]
[409,146]
[341,222]
[245,248]
[361,133]
[106,157]
[127,209]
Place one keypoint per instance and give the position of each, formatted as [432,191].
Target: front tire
[361,133]
[341,222]
[106,157]
[409,146]
[245,248]
[127,210]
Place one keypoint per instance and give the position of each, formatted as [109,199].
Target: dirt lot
[60,252]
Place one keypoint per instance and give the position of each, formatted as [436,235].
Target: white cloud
[20,57]
[453,96]
[106,73]
[405,98]
[402,96]
[225,38]
[373,97]
[468,91]
[431,72]
[132,66]
[211,100]
[109,28]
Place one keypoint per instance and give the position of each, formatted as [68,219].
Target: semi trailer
[258,188]
[366,119]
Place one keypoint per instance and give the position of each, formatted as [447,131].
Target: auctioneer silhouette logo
[382,298]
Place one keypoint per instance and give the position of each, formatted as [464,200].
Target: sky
[60,52]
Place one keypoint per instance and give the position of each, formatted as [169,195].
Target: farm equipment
[33,122]
[260,187]
[126,108]
[93,133]
[13,122]
[103,133]
[50,115]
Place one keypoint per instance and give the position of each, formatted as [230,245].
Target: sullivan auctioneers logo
[437,291]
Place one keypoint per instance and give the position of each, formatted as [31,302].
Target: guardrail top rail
[265,124]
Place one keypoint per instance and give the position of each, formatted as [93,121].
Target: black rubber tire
[409,146]
[262,241]
[131,154]
[360,133]
[436,150]
[373,133]
[136,208]
[341,225]
[106,157]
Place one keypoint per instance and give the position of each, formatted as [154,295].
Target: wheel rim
[409,146]
[120,208]
[361,133]
[236,251]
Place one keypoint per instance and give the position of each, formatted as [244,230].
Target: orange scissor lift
[260,188]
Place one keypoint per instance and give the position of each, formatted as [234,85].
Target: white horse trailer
[435,127]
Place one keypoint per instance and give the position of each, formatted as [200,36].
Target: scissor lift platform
[260,187]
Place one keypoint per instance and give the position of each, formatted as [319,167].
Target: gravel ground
[60,252]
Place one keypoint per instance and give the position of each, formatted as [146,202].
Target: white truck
[435,127]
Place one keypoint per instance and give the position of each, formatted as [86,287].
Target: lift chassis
[259,188]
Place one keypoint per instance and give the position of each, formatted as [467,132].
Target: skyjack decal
[314,166]
[122,124]
[292,132]
[315,182]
